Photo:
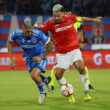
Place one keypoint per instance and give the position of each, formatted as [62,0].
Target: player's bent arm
[12,60]
[49,48]
[87,19]
[9,45]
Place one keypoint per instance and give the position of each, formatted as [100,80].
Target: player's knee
[35,73]
[58,73]
[32,75]
[81,68]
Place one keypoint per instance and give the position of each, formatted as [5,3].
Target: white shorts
[65,60]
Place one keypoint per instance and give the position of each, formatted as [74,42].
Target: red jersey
[64,33]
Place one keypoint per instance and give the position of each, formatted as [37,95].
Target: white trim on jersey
[11,39]
[48,40]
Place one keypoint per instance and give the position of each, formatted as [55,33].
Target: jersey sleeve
[13,36]
[79,19]
[72,16]
[80,27]
[43,38]
[46,26]
[78,24]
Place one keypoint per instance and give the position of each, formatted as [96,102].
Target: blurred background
[96,50]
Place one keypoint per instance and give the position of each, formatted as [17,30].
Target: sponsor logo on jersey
[28,46]
[63,28]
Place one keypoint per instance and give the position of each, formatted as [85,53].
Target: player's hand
[37,24]
[98,19]
[12,63]
[37,58]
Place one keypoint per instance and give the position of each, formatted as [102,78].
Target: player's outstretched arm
[87,19]
[49,48]
[12,60]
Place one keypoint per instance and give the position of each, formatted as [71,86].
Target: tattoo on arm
[49,48]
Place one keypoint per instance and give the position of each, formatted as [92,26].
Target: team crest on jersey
[23,40]
[34,40]
[69,21]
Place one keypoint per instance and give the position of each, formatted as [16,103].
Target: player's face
[58,16]
[27,32]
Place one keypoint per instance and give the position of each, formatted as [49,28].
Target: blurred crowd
[78,7]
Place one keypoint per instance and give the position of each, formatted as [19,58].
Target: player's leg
[46,80]
[80,66]
[62,81]
[59,75]
[35,69]
[90,86]
[53,79]
[35,74]
[59,69]
[42,65]
[88,74]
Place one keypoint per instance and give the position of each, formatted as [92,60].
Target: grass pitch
[19,92]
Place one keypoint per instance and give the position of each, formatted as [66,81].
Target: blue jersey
[33,46]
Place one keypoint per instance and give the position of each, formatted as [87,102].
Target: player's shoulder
[69,15]
[51,21]
[17,32]
[36,31]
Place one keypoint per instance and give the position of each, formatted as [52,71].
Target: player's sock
[53,78]
[42,77]
[41,87]
[84,79]
[88,74]
[45,79]
[62,81]
[90,86]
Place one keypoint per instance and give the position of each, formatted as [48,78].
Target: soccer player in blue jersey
[31,39]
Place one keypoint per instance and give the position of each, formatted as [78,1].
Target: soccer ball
[67,90]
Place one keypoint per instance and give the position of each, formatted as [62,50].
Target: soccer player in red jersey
[67,44]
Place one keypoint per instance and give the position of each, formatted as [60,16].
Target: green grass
[19,92]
